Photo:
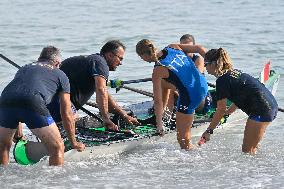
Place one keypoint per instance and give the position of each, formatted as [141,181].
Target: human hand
[131,120]
[78,146]
[110,125]
[160,130]
[17,138]
[206,136]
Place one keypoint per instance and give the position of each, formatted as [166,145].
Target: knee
[57,148]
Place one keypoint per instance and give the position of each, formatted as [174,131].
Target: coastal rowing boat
[100,141]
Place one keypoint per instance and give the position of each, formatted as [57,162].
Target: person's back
[247,92]
[81,71]
[25,99]
[186,73]
[35,80]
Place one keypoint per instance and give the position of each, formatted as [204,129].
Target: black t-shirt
[247,92]
[81,71]
[34,85]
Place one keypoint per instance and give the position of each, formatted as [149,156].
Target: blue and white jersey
[190,83]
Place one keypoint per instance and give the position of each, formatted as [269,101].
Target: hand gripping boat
[101,142]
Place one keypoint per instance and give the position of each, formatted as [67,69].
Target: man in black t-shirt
[24,100]
[89,75]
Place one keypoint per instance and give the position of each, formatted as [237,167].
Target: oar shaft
[137,81]
[91,114]
[139,91]
[93,104]
[10,61]
[280,109]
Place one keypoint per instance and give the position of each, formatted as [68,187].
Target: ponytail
[222,60]
[147,47]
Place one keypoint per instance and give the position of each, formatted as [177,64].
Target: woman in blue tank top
[172,65]
[246,93]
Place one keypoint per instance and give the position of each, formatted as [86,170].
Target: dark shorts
[10,118]
[54,109]
[186,104]
[270,116]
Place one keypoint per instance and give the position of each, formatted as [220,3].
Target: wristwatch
[210,131]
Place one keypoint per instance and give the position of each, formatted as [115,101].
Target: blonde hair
[147,47]
[222,59]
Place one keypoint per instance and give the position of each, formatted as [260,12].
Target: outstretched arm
[231,109]
[68,120]
[102,101]
[115,108]
[159,73]
[190,48]
[220,111]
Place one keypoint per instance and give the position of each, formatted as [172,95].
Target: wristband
[209,131]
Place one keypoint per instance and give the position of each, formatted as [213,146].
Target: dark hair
[212,55]
[111,46]
[49,53]
[187,36]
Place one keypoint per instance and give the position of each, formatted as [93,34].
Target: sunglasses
[207,63]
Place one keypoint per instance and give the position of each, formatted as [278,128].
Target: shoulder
[96,58]
[223,79]
[60,74]
[73,59]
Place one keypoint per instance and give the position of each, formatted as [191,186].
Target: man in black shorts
[89,75]
[24,100]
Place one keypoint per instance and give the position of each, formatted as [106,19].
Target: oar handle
[117,83]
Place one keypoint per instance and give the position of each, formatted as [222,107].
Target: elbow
[101,91]
[202,50]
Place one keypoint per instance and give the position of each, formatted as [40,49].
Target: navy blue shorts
[10,118]
[270,116]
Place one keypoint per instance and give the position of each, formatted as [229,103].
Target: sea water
[252,33]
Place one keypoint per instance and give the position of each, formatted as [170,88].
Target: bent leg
[51,138]
[6,136]
[184,123]
[253,133]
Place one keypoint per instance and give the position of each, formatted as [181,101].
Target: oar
[129,88]
[137,81]
[149,94]
[10,61]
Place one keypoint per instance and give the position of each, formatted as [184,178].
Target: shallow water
[251,31]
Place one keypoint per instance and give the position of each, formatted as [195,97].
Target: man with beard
[88,75]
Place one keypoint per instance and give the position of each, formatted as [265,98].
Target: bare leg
[6,136]
[19,132]
[253,133]
[184,123]
[51,138]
